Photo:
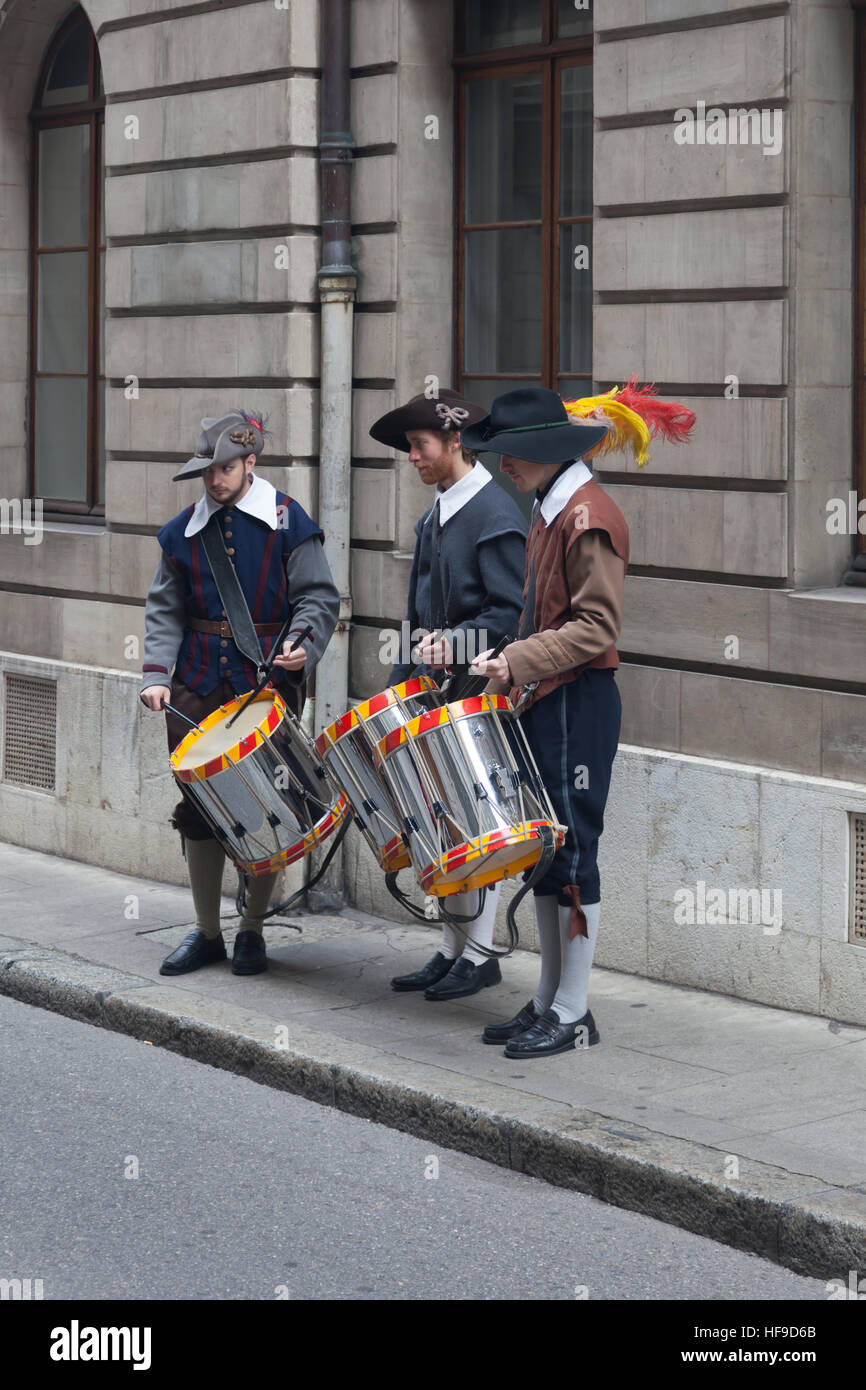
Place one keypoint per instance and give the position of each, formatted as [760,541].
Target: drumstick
[171,709]
[266,668]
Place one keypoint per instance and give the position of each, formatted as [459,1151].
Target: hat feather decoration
[634,416]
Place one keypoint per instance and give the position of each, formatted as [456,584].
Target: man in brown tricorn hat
[465,594]
[276,550]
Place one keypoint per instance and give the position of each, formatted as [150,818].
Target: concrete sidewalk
[740,1122]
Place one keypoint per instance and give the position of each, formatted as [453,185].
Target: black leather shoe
[501,1032]
[464,978]
[249,957]
[427,975]
[193,952]
[548,1036]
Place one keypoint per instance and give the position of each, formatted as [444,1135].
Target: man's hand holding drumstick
[155,696]
[291,658]
[433,650]
[496,668]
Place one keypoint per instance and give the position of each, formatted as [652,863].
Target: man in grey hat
[276,550]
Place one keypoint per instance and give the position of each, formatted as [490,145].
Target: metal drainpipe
[337,283]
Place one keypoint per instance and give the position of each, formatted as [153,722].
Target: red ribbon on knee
[577,922]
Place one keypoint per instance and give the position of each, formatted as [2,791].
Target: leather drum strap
[231,594]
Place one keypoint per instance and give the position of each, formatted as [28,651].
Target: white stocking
[480,932]
[547,920]
[572,996]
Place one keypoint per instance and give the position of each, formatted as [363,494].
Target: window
[524,196]
[67,383]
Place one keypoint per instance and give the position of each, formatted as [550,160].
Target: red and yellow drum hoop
[435,718]
[421,685]
[259,867]
[482,849]
[269,724]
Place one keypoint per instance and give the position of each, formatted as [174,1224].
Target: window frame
[90,113]
[549,58]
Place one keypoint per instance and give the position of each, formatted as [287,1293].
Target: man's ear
[250,461]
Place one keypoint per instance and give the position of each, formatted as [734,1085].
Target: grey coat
[480,555]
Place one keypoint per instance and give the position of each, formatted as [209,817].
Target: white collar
[565,486]
[458,494]
[259,501]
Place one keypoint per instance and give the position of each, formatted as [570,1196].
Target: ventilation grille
[857,914]
[30,737]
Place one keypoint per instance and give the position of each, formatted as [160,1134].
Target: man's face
[429,451]
[527,476]
[227,482]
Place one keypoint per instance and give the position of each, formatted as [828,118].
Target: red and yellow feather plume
[634,416]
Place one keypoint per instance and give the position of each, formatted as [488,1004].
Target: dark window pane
[575,297]
[503,149]
[575,146]
[64,185]
[69,73]
[575,17]
[61,438]
[503,301]
[501,23]
[62,312]
[481,390]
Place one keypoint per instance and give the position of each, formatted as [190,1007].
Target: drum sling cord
[240,898]
[548,850]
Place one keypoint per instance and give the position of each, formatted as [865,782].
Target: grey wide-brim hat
[231,436]
[532,423]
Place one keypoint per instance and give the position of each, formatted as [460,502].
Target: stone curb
[790,1218]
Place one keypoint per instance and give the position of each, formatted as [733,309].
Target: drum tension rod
[480,792]
[273,820]
[439,810]
[238,829]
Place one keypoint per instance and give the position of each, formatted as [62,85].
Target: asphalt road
[127,1172]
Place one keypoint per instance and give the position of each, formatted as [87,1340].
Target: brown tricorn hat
[231,436]
[445,411]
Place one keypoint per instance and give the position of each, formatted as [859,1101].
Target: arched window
[67,467]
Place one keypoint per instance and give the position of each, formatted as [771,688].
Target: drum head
[215,740]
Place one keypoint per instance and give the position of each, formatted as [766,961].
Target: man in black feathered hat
[465,594]
[564,663]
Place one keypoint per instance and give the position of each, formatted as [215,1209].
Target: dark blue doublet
[573,733]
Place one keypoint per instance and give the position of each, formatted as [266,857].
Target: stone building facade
[721,270]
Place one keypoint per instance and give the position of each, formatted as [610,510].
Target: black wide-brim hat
[532,424]
[445,411]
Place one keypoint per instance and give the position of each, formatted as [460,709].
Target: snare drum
[348,746]
[260,784]
[470,800]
